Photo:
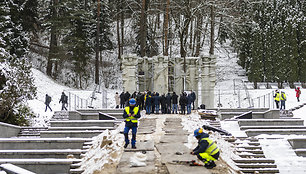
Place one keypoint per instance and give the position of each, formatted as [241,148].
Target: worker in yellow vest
[283,99]
[207,150]
[277,98]
[131,114]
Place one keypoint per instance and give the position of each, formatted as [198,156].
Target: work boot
[133,147]
[126,145]
[210,165]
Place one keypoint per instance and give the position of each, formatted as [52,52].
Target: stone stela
[164,74]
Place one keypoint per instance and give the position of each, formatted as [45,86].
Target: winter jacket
[117,99]
[174,98]
[193,95]
[298,92]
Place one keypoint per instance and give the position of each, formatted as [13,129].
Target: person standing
[183,103]
[47,102]
[131,115]
[189,101]
[277,98]
[193,95]
[163,104]
[148,102]
[207,150]
[283,99]
[64,100]
[174,103]
[117,99]
[157,102]
[298,93]
[122,98]
[168,103]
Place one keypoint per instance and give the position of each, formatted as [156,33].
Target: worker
[131,114]
[277,98]
[207,150]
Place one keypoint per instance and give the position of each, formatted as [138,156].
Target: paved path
[160,139]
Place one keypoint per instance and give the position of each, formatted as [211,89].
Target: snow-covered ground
[229,88]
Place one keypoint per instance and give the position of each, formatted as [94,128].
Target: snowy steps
[56,149]
[270,122]
[298,145]
[252,157]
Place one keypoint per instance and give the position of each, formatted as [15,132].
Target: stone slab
[141,146]
[36,153]
[297,143]
[183,169]
[172,138]
[71,134]
[270,122]
[272,127]
[84,123]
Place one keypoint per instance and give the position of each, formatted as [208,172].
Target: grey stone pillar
[129,70]
[192,77]
[160,79]
[178,75]
[208,78]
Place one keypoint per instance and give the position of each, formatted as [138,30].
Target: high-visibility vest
[277,97]
[131,118]
[283,96]
[211,149]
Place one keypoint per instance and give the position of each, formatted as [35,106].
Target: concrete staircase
[55,149]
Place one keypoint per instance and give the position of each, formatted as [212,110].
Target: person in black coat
[189,101]
[127,96]
[122,100]
[64,100]
[168,103]
[148,102]
[156,102]
[152,102]
[193,95]
[163,104]
[142,101]
[174,103]
[183,103]
[47,102]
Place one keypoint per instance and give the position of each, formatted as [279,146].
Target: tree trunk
[166,21]
[53,41]
[198,35]
[118,32]
[143,30]
[212,30]
[97,45]
[122,26]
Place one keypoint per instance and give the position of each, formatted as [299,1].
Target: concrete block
[271,114]
[12,169]
[297,143]
[8,130]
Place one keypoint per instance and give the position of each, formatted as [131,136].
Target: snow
[107,149]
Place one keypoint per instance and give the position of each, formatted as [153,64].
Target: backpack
[48,99]
[65,99]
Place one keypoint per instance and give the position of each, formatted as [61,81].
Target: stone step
[42,143]
[249,147]
[250,143]
[100,110]
[271,127]
[242,155]
[255,132]
[76,171]
[45,166]
[261,160]
[297,143]
[262,165]
[250,151]
[38,153]
[300,152]
[79,128]
[70,133]
[13,169]
[84,123]
[270,122]
[260,170]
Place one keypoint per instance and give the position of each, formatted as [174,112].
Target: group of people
[281,98]
[206,151]
[63,100]
[154,103]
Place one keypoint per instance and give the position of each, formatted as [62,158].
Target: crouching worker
[206,151]
[131,114]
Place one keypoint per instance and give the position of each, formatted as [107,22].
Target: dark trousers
[126,134]
[47,106]
[283,104]
[64,106]
[277,104]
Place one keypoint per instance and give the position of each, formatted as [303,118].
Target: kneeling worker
[206,151]
[131,114]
